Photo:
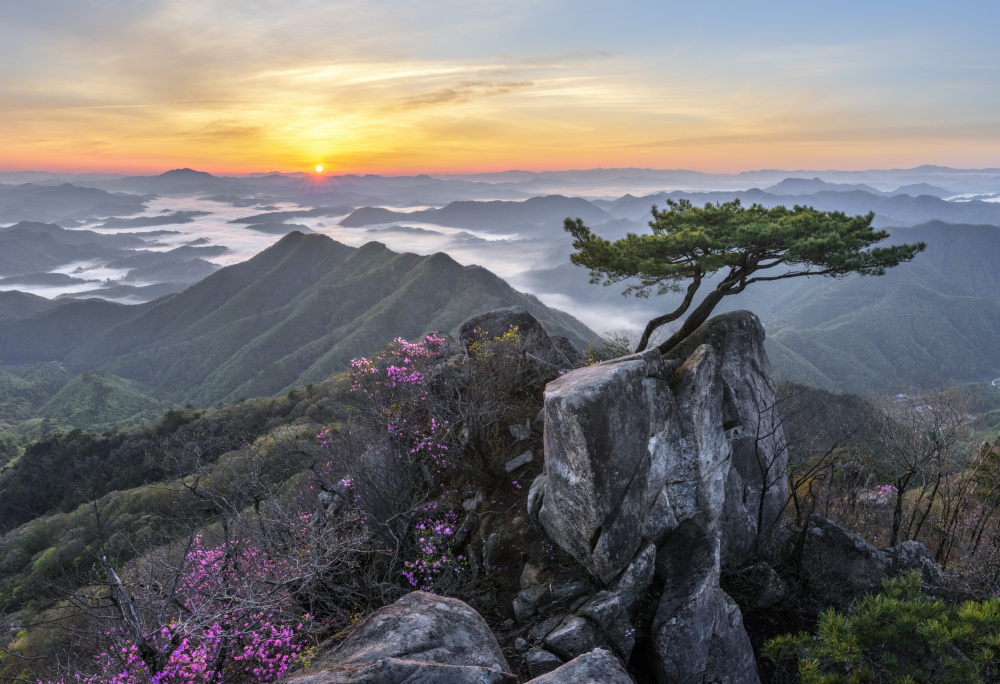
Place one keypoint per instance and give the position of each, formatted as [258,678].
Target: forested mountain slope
[293,314]
[932,321]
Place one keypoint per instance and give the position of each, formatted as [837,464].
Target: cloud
[225,129]
[406,230]
[463,84]
[463,92]
[563,59]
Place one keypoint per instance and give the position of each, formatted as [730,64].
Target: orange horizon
[332,170]
[393,88]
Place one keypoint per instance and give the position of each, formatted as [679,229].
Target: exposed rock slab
[594,504]
[756,483]
[840,566]
[697,634]
[397,671]
[597,667]
[678,459]
[699,467]
[420,638]
[636,445]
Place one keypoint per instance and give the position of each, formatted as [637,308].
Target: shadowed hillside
[293,314]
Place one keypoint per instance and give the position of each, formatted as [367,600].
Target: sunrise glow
[399,88]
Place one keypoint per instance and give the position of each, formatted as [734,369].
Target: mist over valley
[77,237]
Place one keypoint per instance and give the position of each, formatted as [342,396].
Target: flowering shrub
[216,627]
[334,537]
[261,652]
[436,566]
[430,409]
[394,389]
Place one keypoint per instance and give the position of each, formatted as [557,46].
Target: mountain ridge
[295,313]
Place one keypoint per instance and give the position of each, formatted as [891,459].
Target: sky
[391,86]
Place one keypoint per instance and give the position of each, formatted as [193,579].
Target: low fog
[519,239]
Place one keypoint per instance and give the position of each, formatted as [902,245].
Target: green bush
[901,637]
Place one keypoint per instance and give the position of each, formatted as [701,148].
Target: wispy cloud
[455,84]
[463,92]
[225,129]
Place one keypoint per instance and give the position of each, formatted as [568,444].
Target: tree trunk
[659,321]
[696,318]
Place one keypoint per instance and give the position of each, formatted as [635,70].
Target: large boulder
[594,504]
[697,474]
[839,567]
[554,351]
[597,667]
[668,467]
[697,633]
[636,445]
[420,638]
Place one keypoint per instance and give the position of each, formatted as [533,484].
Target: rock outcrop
[662,475]
[658,473]
[597,667]
[756,482]
[697,634]
[601,484]
[553,350]
[668,467]
[839,567]
[420,638]
[635,445]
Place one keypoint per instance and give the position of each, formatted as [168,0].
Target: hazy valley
[189,358]
[133,240]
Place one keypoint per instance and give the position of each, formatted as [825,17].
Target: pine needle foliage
[746,245]
[899,636]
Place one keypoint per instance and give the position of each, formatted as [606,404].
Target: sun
[319,168]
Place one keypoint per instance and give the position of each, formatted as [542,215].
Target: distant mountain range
[890,210]
[29,251]
[30,202]
[30,247]
[803,186]
[302,309]
[824,332]
[317,189]
[439,189]
[293,314]
[930,322]
[545,213]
